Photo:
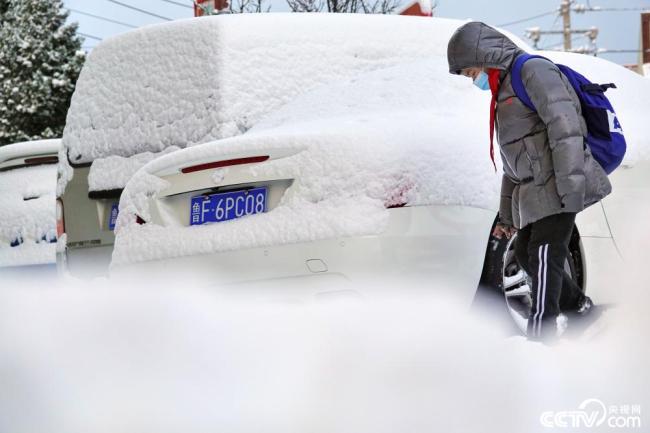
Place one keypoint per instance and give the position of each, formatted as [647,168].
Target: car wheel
[516,284]
[504,282]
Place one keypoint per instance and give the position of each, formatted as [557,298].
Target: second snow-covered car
[27,211]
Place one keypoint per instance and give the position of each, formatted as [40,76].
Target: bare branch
[249,6]
[306,5]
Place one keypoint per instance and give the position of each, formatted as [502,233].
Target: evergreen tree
[40,60]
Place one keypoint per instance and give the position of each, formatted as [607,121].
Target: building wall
[212,5]
[645,43]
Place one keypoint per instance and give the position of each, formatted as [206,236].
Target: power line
[177,3]
[555,21]
[85,35]
[140,10]
[565,9]
[588,8]
[607,50]
[102,18]
[526,19]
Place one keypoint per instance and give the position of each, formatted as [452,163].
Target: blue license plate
[227,205]
[112,218]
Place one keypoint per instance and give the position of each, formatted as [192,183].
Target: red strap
[493,79]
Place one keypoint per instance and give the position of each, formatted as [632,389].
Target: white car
[376,180]
[198,81]
[373,183]
[27,211]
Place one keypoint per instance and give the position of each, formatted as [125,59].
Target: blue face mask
[482,82]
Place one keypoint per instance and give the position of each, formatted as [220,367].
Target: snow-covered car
[383,178]
[169,86]
[369,171]
[27,209]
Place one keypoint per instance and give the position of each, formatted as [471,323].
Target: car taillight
[60,222]
[42,160]
[226,163]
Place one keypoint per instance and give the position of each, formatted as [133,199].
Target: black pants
[541,249]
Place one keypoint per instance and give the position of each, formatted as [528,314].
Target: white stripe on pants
[541,289]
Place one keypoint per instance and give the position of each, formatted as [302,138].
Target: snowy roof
[426,7]
[197,80]
[29,148]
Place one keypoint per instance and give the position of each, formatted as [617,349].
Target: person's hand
[502,229]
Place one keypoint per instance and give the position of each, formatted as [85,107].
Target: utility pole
[565,11]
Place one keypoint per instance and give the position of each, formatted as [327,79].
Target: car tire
[501,276]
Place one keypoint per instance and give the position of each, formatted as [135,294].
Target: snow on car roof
[114,172]
[29,148]
[197,80]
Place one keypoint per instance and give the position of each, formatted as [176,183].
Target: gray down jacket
[548,168]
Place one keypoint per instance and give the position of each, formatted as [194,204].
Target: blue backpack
[604,133]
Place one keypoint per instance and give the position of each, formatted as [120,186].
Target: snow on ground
[194,81]
[98,358]
[30,220]
[113,172]
[382,138]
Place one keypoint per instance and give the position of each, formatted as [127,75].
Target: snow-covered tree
[40,60]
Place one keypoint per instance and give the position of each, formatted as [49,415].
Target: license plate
[227,205]
[112,217]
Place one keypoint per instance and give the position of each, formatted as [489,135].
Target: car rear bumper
[85,263]
[424,248]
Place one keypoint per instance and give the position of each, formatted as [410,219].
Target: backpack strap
[516,81]
[595,89]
